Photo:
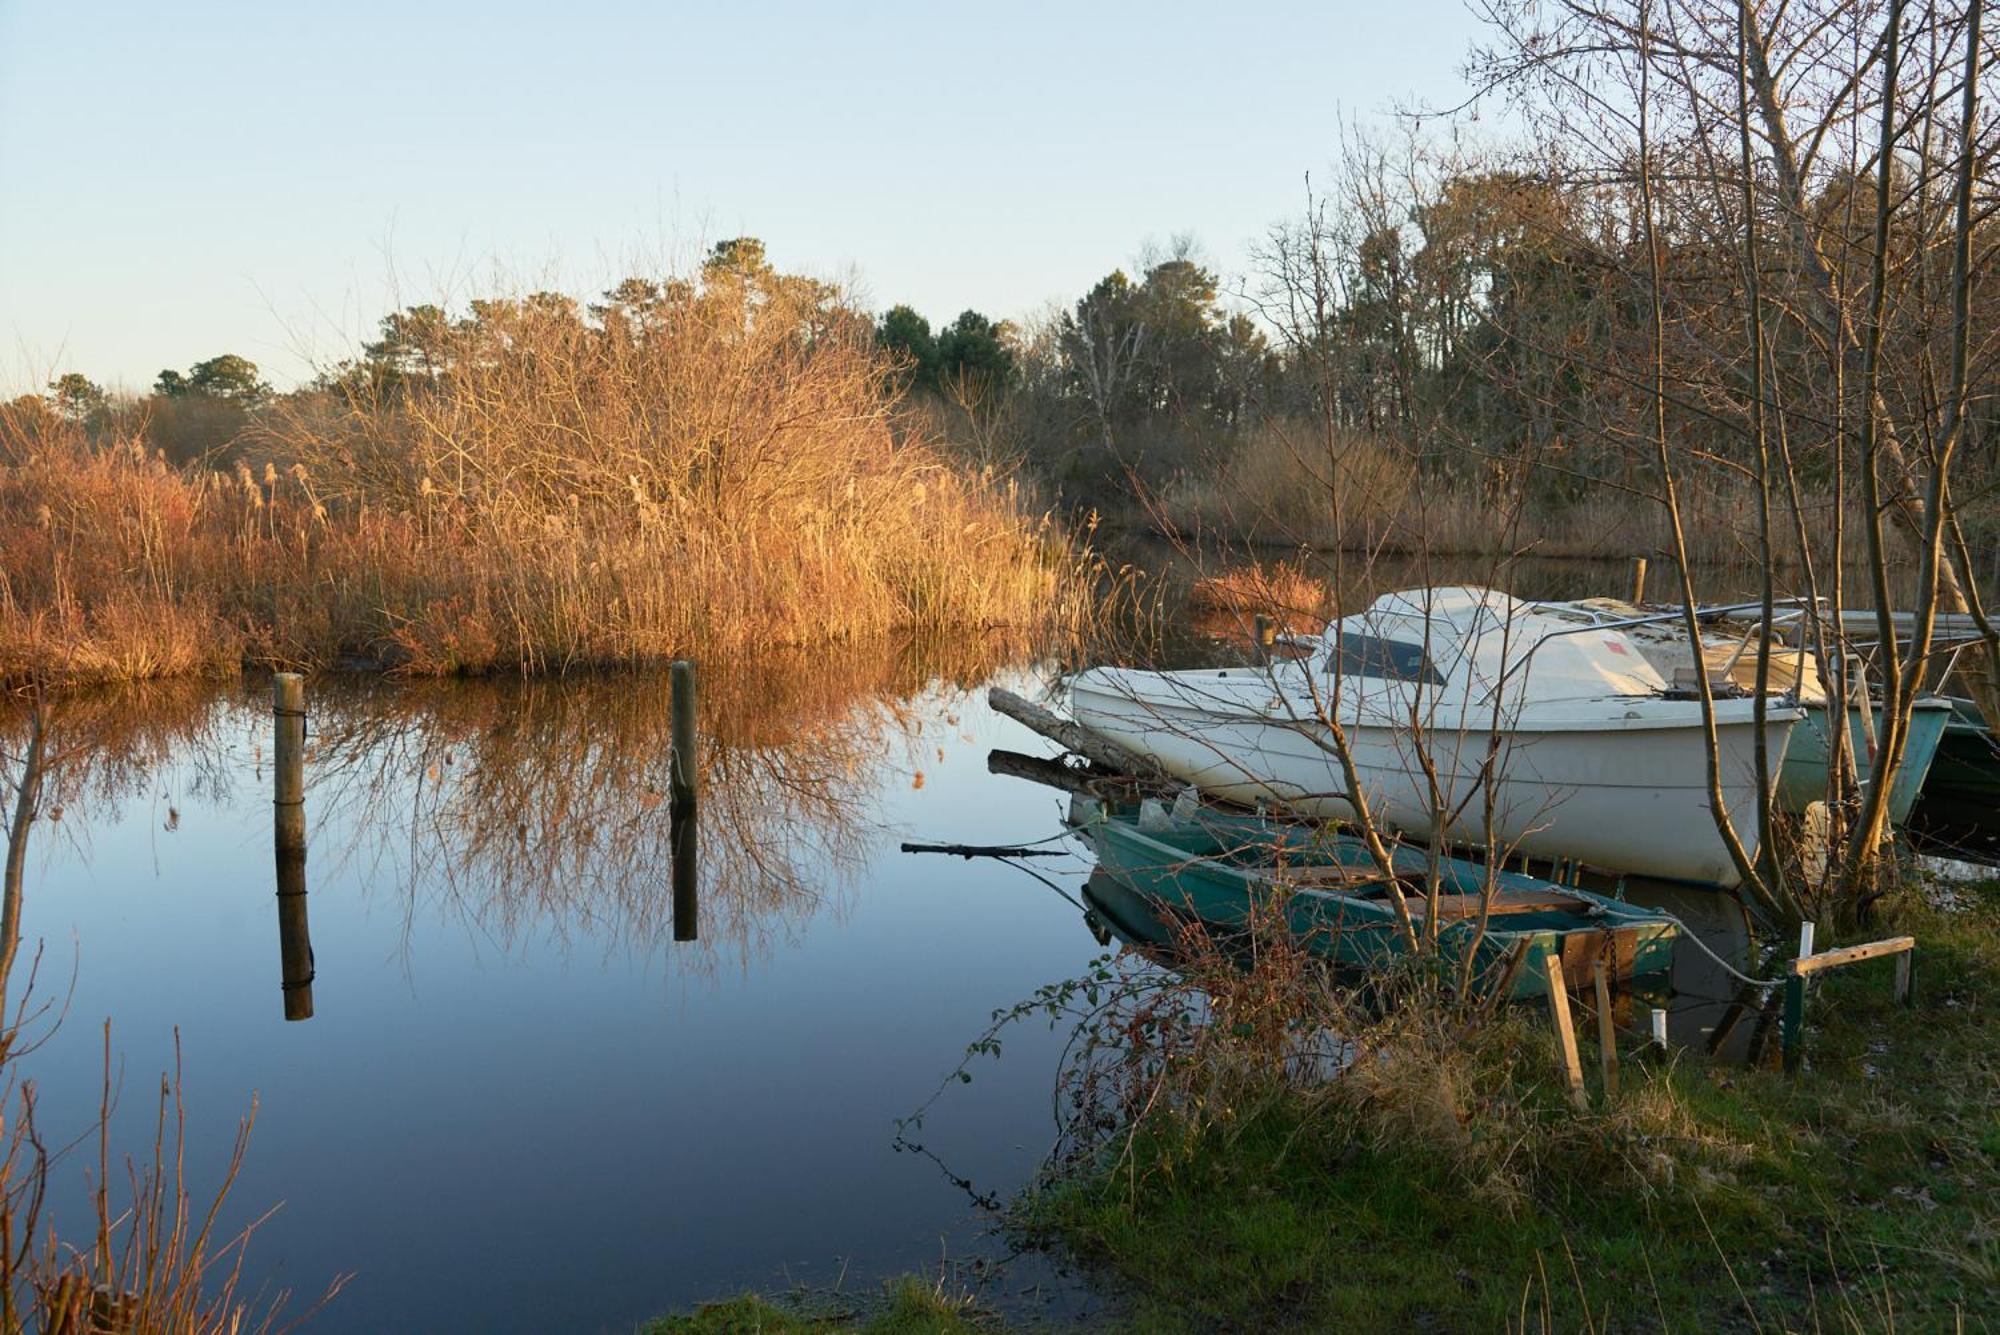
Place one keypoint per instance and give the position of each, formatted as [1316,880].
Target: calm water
[520,1105]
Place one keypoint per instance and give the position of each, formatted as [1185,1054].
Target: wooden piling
[682,778]
[686,875]
[1266,633]
[1638,580]
[1607,1032]
[288,825]
[1565,1031]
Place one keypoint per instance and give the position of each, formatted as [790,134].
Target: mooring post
[288,823]
[1565,1031]
[682,773]
[1266,632]
[686,870]
[1607,1033]
[1638,580]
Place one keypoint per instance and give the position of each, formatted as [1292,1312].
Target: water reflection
[523,808]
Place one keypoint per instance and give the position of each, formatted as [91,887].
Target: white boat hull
[1628,791]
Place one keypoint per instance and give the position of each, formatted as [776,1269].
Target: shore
[1469,1195]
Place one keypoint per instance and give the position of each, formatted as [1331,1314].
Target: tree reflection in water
[539,809]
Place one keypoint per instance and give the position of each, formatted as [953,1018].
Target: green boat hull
[1802,779]
[1220,871]
[1967,768]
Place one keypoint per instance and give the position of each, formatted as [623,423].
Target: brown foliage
[549,493]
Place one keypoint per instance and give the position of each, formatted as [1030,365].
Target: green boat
[1802,778]
[1216,867]
[1967,767]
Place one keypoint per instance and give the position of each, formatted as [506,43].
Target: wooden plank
[1071,736]
[1607,1033]
[1834,959]
[1565,1031]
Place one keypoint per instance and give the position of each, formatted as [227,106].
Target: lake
[520,1104]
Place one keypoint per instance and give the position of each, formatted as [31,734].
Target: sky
[182,180]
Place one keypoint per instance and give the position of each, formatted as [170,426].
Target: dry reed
[549,493]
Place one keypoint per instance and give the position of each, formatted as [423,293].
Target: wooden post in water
[1266,632]
[1638,580]
[1607,1033]
[1565,1031]
[682,778]
[687,898]
[288,823]
[682,781]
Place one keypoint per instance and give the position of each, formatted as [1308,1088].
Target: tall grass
[1287,485]
[547,492]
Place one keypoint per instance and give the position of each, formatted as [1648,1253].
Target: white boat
[1591,756]
[1729,655]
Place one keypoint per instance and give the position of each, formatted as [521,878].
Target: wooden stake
[682,777]
[686,876]
[1607,1033]
[1638,580]
[288,828]
[1565,1031]
[1905,966]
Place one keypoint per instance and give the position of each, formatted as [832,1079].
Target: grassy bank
[530,489]
[1457,1189]
[1446,1183]
[909,1306]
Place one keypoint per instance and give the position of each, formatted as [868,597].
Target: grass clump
[908,1306]
[709,462]
[1442,1180]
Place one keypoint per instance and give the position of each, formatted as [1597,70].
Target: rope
[1726,966]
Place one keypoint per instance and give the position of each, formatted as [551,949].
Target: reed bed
[546,493]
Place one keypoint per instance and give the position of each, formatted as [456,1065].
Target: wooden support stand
[1607,1032]
[1565,1031]
[288,825]
[1902,947]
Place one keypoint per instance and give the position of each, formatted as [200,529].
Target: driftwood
[1070,736]
[987,850]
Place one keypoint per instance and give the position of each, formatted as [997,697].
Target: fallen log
[1071,737]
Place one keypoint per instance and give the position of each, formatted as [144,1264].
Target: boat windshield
[1377,656]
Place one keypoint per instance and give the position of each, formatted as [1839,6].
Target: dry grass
[551,494]
[1296,601]
[1284,483]
[1287,485]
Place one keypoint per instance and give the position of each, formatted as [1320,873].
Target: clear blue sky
[179,180]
